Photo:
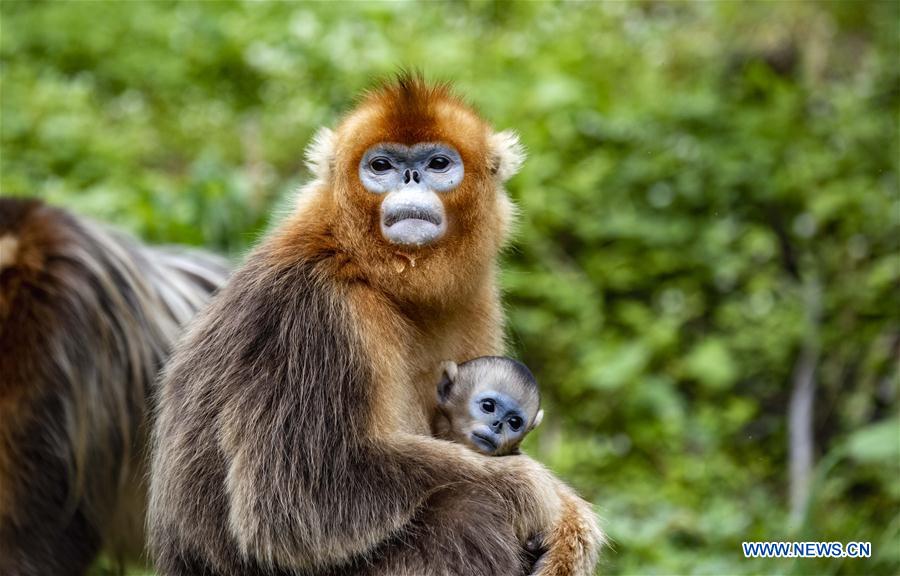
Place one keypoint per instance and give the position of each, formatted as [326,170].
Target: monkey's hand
[571,547]
[569,529]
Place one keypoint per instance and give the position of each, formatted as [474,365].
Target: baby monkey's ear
[448,377]
[537,419]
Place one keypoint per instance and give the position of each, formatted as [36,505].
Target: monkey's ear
[449,368]
[538,419]
[448,377]
[507,154]
[320,154]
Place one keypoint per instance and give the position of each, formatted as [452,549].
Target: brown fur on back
[86,318]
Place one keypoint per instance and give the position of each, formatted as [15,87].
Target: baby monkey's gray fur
[489,404]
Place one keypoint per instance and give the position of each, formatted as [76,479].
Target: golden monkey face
[412,180]
[409,188]
[415,169]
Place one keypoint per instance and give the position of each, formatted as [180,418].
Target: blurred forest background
[709,231]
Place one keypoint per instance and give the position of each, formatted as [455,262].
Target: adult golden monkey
[293,432]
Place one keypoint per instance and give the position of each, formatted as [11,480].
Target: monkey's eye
[487,405]
[380,164]
[515,422]
[439,163]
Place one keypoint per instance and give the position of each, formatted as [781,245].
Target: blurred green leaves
[690,166]
[876,444]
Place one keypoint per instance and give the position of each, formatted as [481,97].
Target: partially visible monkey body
[87,317]
[294,431]
[488,404]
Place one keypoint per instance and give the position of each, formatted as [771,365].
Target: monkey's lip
[412,229]
[411,213]
[485,443]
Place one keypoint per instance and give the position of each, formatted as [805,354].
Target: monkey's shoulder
[275,328]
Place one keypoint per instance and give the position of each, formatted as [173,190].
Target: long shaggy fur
[293,434]
[87,316]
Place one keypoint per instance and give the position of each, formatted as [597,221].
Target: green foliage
[693,169]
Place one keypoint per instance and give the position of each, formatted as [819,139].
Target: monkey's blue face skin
[412,177]
[499,421]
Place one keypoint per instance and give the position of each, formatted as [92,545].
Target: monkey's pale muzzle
[413,217]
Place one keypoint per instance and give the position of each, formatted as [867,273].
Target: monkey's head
[411,183]
[490,403]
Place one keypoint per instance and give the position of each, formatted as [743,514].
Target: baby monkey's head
[490,403]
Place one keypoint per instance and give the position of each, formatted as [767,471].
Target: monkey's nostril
[406,177]
[415,176]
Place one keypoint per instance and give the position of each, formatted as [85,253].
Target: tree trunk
[801,410]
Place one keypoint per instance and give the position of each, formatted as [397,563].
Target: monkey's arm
[573,543]
[283,510]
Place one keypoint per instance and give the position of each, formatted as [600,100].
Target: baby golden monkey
[488,404]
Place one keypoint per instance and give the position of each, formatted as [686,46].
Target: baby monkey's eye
[487,405]
[515,422]
[439,163]
[380,164]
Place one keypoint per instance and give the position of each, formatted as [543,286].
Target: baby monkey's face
[497,422]
[491,404]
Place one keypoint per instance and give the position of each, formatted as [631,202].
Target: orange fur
[478,216]
[571,545]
